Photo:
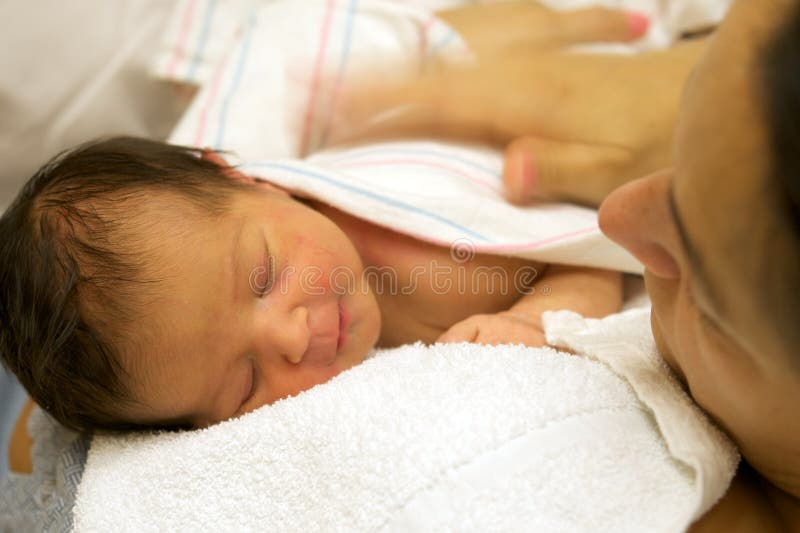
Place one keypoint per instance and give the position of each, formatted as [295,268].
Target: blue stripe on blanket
[371,194]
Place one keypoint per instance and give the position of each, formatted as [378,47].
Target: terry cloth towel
[446,437]
[625,343]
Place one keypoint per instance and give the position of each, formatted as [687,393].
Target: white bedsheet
[72,71]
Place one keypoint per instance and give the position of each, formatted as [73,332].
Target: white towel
[625,343]
[448,437]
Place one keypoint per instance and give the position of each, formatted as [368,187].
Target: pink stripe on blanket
[323,46]
[180,46]
[212,96]
[423,41]
[536,244]
[351,16]
[496,248]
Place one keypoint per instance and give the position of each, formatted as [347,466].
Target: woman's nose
[636,216]
[286,335]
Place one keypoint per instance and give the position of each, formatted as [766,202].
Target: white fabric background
[71,71]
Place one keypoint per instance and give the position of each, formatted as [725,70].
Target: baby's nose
[290,337]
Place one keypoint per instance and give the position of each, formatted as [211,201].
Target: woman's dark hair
[780,75]
[69,278]
[781,70]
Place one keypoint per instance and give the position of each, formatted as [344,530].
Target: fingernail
[527,174]
[637,23]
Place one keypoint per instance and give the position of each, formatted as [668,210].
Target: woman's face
[702,229]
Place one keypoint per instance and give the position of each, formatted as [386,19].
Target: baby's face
[260,304]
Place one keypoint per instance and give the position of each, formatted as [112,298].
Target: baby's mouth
[329,324]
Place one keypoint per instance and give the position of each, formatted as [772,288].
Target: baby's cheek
[313,280]
[326,270]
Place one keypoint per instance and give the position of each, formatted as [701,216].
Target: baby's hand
[500,328]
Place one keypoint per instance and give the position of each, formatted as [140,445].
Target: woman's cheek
[697,354]
[667,320]
[661,344]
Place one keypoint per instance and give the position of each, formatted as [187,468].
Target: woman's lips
[344,321]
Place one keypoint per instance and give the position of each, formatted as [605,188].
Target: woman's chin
[663,347]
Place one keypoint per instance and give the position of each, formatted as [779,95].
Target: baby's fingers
[464,331]
[513,334]
[494,330]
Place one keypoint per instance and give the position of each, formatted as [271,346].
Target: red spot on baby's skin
[316,275]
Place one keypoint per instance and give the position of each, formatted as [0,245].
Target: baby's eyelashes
[262,278]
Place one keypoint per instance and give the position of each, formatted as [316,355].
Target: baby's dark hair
[69,278]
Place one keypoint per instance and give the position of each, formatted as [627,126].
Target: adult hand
[578,125]
[522,27]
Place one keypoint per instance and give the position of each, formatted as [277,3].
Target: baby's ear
[213,157]
[229,171]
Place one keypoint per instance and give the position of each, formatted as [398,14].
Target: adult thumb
[537,168]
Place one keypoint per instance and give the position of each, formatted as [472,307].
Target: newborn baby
[145,284]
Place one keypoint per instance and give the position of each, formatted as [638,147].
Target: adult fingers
[552,95]
[600,24]
[456,103]
[524,25]
[583,173]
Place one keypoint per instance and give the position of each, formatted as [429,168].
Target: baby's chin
[364,313]
[348,362]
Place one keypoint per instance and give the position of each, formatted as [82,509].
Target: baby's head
[147,285]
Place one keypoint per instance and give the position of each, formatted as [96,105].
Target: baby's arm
[588,291]
[591,292]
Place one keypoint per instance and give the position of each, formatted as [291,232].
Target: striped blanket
[271,92]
